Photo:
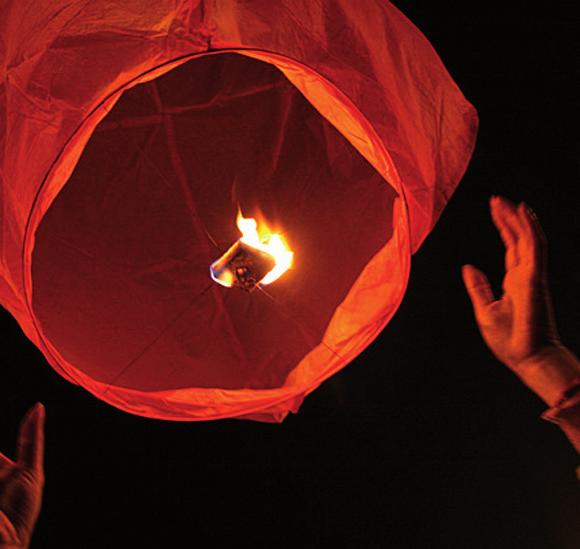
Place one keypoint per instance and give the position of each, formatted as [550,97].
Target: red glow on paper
[129,136]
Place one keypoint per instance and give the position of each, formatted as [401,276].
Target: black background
[425,440]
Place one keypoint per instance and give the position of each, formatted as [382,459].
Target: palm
[508,334]
[21,482]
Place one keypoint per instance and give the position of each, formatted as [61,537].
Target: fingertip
[36,411]
[501,209]
[33,420]
[466,270]
[471,275]
[506,203]
[40,411]
[30,447]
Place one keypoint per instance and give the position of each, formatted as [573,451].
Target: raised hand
[22,482]
[519,327]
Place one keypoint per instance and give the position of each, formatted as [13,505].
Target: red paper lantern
[131,132]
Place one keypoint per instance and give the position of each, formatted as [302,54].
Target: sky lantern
[209,207]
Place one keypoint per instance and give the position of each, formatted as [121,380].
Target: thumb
[477,287]
[30,449]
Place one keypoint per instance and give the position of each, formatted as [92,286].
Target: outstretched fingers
[30,452]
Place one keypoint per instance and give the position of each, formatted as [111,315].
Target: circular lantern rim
[241,402]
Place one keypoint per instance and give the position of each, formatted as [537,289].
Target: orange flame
[262,238]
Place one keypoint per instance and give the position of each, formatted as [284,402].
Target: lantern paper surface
[130,132]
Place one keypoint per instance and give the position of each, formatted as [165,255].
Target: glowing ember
[258,257]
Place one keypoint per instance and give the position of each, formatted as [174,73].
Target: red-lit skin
[22,482]
[519,327]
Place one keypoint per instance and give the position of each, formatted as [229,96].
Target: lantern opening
[142,216]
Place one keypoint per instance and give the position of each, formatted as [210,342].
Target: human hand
[519,327]
[520,323]
[22,482]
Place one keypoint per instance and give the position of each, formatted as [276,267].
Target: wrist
[549,372]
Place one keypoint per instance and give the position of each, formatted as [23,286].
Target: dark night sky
[424,440]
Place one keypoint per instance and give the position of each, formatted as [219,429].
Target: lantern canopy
[131,135]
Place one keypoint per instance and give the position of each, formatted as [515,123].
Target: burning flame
[263,239]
